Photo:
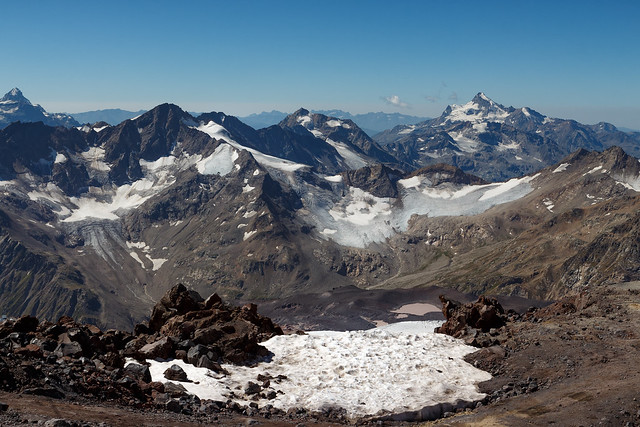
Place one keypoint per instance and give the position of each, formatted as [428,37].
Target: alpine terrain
[101,225]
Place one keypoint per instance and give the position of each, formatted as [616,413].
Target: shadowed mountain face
[97,222]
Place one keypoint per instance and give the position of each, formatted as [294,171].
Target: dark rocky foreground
[66,363]
[570,363]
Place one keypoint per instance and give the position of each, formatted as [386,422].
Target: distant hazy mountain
[113,116]
[264,119]
[15,107]
[373,123]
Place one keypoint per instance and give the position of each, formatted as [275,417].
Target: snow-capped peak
[15,95]
[480,109]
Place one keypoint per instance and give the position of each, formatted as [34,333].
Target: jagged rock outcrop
[66,359]
[224,333]
[470,321]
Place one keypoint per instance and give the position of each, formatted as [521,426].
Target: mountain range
[112,116]
[371,123]
[98,221]
[498,142]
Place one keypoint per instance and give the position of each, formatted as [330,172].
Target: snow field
[359,218]
[397,368]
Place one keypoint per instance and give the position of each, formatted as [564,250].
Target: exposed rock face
[469,320]
[440,173]
[378,180]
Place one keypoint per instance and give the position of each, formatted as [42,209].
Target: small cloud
[395,101]
[453,97]
[432,99]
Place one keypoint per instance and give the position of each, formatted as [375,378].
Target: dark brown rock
[163,348]
[26,324]
[465,319]
[175,373]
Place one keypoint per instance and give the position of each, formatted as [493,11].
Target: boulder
[138,372]
[70,349]
[176,373]
[179,300]
[163,349]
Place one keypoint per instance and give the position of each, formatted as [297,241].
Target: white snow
[113,200]
[157,263]
[597,168]
[510,145]
[407,130]
[137,258]
[412,182]
[162,162]
[480,127]
[397,368]
[351,158]
[334,123]
[60,158]
[561,168]
[248,234]
[100,128]
[465,143]
[221,162]
[549,204]
[334,178]
[472,112]
[304,120]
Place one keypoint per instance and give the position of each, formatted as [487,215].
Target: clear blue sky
[571,59]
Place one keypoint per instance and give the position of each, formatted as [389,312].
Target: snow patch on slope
[221,162]
[400,368]
[360,218]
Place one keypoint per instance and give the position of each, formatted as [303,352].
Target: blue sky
[563,58]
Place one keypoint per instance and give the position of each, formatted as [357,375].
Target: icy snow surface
[396,368]
[221,162]
[351,158]
[360,218]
